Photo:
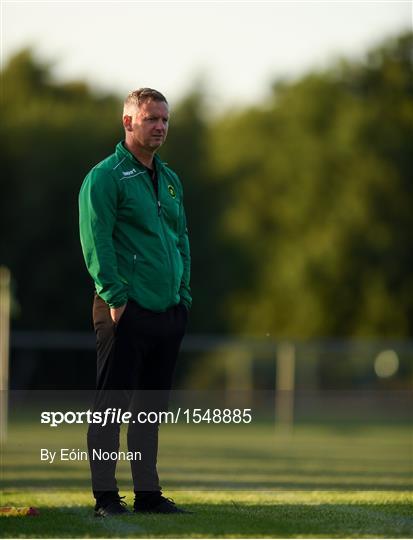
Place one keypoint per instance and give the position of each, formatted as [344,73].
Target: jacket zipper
[168,253]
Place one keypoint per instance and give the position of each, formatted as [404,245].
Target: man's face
[149,125]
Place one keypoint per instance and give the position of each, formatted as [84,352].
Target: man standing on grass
[135,244]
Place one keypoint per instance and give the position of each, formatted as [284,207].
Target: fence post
[285,382]
[4,348]
[238,362]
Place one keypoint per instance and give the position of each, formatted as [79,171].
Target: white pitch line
[117,525]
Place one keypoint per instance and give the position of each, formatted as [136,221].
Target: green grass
[240,481]
[68,514]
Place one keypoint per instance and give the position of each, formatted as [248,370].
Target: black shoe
[161,505]
[114,507]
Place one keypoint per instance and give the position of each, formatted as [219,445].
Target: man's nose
[160,125]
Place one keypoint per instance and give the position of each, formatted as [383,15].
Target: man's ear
[127,122]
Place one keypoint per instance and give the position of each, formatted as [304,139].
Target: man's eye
[154,119]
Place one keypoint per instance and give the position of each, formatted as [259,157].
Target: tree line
[299,207]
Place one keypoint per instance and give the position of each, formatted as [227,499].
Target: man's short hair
[135,99]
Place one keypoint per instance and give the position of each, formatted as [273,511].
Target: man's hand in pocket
[116,313]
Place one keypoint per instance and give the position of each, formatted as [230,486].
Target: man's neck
[141,154]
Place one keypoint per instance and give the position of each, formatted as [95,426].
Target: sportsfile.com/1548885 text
[118,416]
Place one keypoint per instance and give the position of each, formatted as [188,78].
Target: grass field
[240,481]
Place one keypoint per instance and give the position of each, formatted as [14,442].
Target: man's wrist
[116,305]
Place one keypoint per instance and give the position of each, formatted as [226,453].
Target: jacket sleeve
[185,289]
[97,217]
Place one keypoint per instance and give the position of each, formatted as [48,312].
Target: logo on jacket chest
[172,191]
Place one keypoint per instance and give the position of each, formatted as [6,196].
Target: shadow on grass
[229,519]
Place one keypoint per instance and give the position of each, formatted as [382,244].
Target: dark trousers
[135,364]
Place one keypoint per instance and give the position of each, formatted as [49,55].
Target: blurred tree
[320,202]
[49,137]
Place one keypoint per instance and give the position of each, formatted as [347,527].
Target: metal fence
[297,380]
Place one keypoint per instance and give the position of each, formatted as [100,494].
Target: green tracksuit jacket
[135,245]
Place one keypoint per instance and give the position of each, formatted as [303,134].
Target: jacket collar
[122,152]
